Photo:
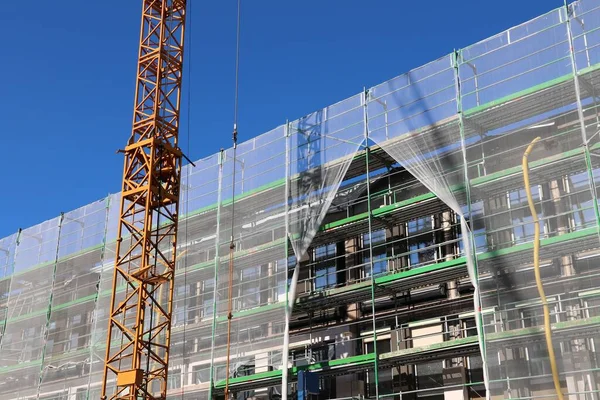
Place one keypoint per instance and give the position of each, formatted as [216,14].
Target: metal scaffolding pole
[216,272]
[288,299]
[370,217]
[97,295]
[471,236]
[49,309]
[5,319]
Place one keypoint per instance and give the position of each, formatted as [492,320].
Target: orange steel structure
[137,352]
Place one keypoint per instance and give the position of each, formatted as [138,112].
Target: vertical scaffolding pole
[97,294]
[471,236]
[369,212]
[288,307]
[12,271]
[216,272]
[49,309]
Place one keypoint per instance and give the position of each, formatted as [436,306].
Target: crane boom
[137,351]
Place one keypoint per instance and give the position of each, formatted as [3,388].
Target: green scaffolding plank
[538,330]
[544,242]
[378,212]
[457,262]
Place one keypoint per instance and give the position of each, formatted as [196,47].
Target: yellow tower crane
[139,332]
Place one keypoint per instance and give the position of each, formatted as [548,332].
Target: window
[49,345]
[179,304]
[475,369]
[383,346]
[220,372]
[250,288]
[419,225]
[521,219]
[385,375]
[325,267]
[470,327]
[275,359]
[376,240]
[479,231]
[581,200]
[174,379]
[200,374]
[73,342]
[538,359]
[281,272]
[208,287]
[251,333]
[379,264]
[420,243]
[592,306]
[325,277]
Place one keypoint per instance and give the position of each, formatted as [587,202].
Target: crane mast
[139,332]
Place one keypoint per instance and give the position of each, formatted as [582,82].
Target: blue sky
[69,66]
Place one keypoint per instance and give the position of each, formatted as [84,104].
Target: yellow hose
[536,268]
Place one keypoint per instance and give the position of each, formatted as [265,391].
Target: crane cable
[536,269]
[231,243]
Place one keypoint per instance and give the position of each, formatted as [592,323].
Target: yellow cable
[536,268]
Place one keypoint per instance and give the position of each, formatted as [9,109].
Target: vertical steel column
[49,309]
[288,306]
[216,276]
[370,216]
[585,144]
[469,235]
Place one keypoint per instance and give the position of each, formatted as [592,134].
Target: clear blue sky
[68,71]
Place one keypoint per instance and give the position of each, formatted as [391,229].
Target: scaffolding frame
[546,84]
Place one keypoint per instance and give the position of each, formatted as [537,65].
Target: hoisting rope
[231,243]
[536,269]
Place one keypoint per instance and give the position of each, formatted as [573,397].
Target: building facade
[384,244]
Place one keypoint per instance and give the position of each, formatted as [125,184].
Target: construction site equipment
[139,333]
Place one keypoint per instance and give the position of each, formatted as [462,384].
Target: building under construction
[381,247]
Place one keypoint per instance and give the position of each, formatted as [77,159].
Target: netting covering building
[383,244]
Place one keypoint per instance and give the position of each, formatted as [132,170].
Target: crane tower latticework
[137,352]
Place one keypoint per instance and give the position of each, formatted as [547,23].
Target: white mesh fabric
[322,147]
[413,119]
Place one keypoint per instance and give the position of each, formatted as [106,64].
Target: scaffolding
[383,243]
